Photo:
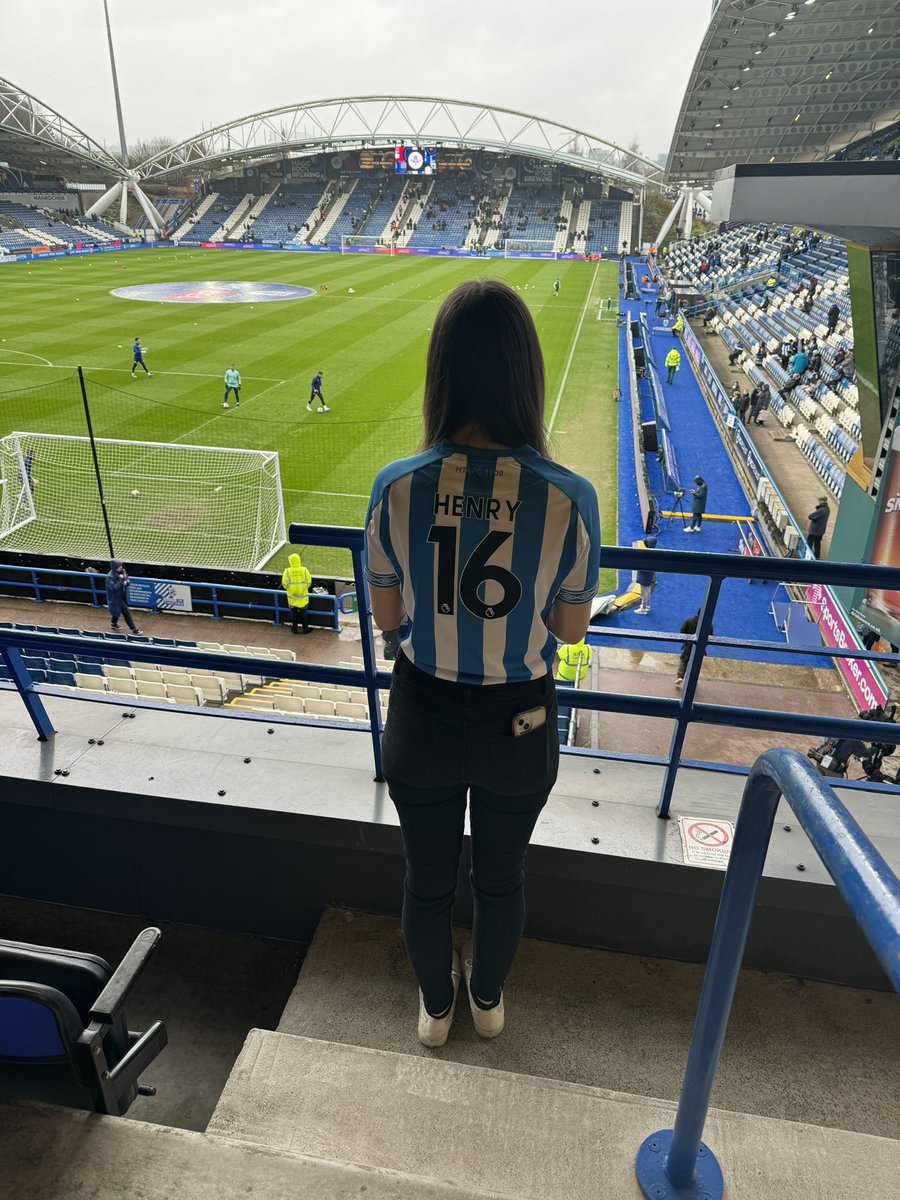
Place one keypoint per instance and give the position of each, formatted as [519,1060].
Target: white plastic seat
[176,677]
[112,671]
[212,687]
[319,708]
[148,675]
[335,694]
[289,704]
[351,712]
[233,682]
[91,683]
[230,649]
[253,702]
[307,691]
[184,694]
[359,698]
[124,687]
[284,655]
[209,646]
[154,691]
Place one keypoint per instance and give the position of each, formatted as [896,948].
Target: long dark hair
[485,367]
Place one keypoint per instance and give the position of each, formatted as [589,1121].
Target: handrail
[682,711]
[675,1159]
[40,583]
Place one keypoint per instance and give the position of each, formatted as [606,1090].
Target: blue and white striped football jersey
[481,543]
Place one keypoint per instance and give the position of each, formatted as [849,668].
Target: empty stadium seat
[319,708]
[212,686]
[152,691]
[55,1007]
[351,712]
[124,687]
[184,694]
[289,704]
[92,683]
[114,671]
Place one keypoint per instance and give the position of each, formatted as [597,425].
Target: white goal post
[530,248]
[362,243]
[196,506]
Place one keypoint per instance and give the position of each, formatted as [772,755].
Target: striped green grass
[371,346]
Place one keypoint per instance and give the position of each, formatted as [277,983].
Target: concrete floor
[208,986]
[795,1050]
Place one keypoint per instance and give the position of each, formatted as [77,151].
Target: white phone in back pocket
[525,722]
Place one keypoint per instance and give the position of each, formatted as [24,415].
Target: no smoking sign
[706,841]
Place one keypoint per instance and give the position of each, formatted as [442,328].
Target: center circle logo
[213,292]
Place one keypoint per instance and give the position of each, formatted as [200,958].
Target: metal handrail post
[688,691]
[12,656]
[674,1162]
[368,653]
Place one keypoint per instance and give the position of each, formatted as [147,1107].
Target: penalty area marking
[315,492]
[45,362]
[562,385]
[218,416]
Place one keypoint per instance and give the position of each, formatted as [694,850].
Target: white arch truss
[24,117]
[371,121]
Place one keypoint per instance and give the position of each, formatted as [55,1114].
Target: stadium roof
[367,121]
[33,134]
[777,81]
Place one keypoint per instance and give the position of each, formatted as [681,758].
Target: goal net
[530,248]
[359,243]
[198,506]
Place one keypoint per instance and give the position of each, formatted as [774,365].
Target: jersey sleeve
[581,581]
[379,567]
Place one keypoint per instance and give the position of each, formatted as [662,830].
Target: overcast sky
[615,68]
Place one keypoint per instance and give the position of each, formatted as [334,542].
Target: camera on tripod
[828,754]
[678,493]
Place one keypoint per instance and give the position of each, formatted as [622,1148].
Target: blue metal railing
[222,599]
[675,1162]
[682,710]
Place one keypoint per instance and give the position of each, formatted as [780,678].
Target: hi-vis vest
[673,358]
[295,581]
[574,661]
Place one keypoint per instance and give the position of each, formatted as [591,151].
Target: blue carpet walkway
[743,607]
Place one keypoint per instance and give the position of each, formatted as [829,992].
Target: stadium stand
[288,216]
[762,326]
[445,218]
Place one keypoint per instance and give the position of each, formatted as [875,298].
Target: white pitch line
[562,384]
[316,492]
[24,354]
[187,374]
[218,416]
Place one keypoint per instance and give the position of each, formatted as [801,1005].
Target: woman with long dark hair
[482,549]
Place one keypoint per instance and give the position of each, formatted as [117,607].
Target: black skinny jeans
[443,742]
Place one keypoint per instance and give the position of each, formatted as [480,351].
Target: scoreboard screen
[415,160]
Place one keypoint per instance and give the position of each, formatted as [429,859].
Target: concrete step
[513,1135]
[578,1015]
[60,1154]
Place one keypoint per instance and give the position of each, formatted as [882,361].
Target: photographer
[698,505]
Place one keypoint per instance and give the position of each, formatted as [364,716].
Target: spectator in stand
[818,523]
[117,596]
[833,314]
[760,354]
[839,355]
[848,366]
[735,354]
[708,316]
[800,361]
[678,327]
[741,404]
[771,283]
[473,718]
[789,348]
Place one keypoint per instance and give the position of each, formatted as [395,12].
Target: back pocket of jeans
[523,764]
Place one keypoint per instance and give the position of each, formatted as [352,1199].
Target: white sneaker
[488,1022]
[433,1031]
[149,374]
[325,408]
[309,408]
[641,611]
[687,529]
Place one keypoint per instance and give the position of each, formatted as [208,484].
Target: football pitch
[370,344]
